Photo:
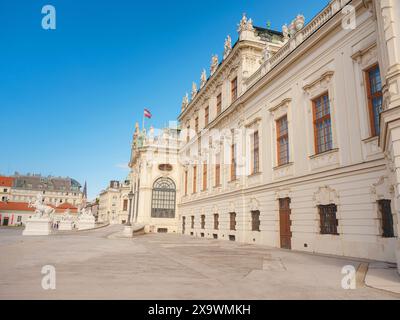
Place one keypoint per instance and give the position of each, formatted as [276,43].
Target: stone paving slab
[383,276]
[164,266]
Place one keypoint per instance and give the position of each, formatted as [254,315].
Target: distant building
[55,190]
[155,179]
[5,188]
[113,203]
[16,213]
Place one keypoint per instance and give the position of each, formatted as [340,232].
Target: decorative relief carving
[382,189]
[326,159]
[283,171]
[325,196]
[254,204]
[282,194]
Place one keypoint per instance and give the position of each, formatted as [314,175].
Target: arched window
[164,199]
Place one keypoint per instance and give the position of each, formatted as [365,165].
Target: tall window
[192,223]
[255,220]
[194,179]
[163,199]
[205,173]
[374,92]
[322,124]
[203,222]
[282,134]
[232,221]
[196,124]
[206,116]
[125,206]
[256,153]
[234,89]
[186,183]
[328,220]
[386,216]
[233,162]
[219,104]
[183,225]
[217,170]
[216,222]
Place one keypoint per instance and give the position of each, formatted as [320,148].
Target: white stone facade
[322,58]
[154,161]
[113,207]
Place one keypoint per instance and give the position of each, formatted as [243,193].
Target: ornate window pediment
[325,196]
[280,109]
[382,189]
[367,56]
[320,84]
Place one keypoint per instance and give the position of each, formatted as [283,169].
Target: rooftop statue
[266,53]
[285,31]
[227,46]
[203,79]
[214,63]
[245,25]
[194,90]
[185,101]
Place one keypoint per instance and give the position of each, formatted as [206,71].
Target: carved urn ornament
[214,64]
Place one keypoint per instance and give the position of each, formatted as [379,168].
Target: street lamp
[130,196]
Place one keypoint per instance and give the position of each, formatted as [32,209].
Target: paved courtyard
[89,265]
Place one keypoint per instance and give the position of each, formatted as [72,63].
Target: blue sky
[69,98]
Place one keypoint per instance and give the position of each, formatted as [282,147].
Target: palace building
[293,141]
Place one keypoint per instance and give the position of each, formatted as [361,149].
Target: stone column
[387,15]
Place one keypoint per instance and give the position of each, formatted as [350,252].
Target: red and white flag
[147,113]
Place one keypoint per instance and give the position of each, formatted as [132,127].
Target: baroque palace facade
[294,139]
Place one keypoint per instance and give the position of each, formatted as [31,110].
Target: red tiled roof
[6,181]
[66,206]
[24,206]
[15,206]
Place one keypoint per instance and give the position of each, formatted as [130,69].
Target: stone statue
[151,133]
[227,46]
[85,213]
[214,64]
[299,22]
[137,129]
[41,210]
[245,25]
[203,79]
[194,90]
[266,53]
[285,31]
[185,101]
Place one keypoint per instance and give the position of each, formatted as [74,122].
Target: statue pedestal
[65,226]
[37,227]
[86,223]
